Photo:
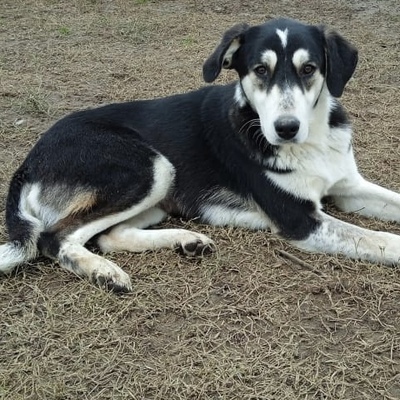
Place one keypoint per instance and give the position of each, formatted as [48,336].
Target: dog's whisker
[248,125]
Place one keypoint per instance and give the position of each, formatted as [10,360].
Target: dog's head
[283,66]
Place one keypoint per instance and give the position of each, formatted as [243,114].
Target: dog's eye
[261,70]
[308,69]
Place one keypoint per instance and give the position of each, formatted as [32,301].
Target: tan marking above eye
[269,59]
[300,57]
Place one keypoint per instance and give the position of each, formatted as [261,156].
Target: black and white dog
[259,153]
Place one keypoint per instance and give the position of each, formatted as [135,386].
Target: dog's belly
[220,215]
[217,206]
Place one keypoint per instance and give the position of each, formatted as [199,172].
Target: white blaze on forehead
[283,35]
[300,57]
[269,58]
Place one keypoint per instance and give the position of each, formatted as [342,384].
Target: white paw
[196,244]
[110,277]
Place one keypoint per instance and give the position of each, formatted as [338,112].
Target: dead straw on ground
[257,320]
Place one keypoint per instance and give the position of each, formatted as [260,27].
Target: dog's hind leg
[57,219]
[131,236]
[100,271]
[64,241]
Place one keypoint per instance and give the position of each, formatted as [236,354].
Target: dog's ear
[341,57]
[223,54]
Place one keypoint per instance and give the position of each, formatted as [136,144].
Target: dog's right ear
[341,57]
[222,56]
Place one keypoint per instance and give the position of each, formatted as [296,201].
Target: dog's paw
[110,277]
[196,244]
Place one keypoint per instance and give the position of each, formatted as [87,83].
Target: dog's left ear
[223,54]
[341,59]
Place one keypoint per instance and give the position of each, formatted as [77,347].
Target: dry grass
[258,320]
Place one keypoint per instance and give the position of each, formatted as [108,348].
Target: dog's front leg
[367,198]
[337,237]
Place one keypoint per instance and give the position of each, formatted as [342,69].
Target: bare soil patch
[246,323]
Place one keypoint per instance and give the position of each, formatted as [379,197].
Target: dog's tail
[23,228]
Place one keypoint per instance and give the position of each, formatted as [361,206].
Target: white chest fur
[318,165]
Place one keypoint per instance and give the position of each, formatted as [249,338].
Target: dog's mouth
[281,142]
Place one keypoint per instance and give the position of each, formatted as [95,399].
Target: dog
[260,153]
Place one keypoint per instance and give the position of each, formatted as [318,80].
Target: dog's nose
[287,127]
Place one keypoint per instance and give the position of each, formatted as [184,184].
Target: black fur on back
[110,149]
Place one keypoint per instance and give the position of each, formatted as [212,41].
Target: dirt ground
[249,322]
